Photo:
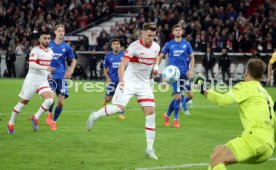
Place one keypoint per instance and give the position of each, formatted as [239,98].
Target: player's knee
[177,97]
[48,102]
[23,101]
[60,103]
[190,96]
[120,108]
[218,157]
[217,148]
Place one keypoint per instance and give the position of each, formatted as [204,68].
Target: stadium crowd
[20,21]
[239,26]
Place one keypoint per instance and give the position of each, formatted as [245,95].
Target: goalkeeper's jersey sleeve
[255,108]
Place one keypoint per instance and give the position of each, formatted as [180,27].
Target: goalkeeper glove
[199,83]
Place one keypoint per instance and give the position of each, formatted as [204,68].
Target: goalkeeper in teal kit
[257,141]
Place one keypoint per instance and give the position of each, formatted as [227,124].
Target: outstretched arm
[219,99]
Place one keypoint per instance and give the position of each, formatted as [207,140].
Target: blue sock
[176,104]
[183,102]
[170,109]
[57,113]
[122,113]
[51,107]
[187,99]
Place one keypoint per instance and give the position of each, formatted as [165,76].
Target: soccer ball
[170,74]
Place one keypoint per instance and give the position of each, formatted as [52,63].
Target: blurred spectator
[92,40]
[10,60]
[22,20]
[6,73]
[79,73]
[224,65]
[101,69]
[208,63]
[102,40]
[256,54]
[93,66]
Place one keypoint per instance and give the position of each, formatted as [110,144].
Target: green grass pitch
[113,143]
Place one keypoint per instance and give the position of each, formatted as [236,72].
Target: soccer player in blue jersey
[62,51]
[178,50]
[111,64]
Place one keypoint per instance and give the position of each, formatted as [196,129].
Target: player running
[62,51]
[179,50]
[257,141]
[111,64]
[134,80]
[36,81]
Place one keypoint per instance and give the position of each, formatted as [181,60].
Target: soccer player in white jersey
[36,81]
[134,80]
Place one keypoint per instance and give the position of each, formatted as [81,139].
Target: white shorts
[143,94]
[29,88]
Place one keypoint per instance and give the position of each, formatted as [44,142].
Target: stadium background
[247,28]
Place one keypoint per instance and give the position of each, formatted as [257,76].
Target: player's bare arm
[269,70]
[121,71]
[71,69]
[156,65]
[192,63]
[105,71]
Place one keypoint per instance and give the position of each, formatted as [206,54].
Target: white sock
[150,131]
[44,107]
[107,110]
[16,110]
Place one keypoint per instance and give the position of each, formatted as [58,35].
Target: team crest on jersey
[177,52]
[63,49]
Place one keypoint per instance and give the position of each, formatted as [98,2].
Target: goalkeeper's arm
[214,97]
[219,99]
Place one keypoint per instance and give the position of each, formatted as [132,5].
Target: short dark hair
[256,68]
[149,26]
[44,32]
[115,40]
[176,26]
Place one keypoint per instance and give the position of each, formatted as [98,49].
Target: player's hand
[68,74]
[50,77]
[189,74]
[121,85]
[199,83]
[155,72]
[50,69]
[108,80]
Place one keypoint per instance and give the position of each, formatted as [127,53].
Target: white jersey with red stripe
[39,61]
[142,59]
[36,79]
[137,75]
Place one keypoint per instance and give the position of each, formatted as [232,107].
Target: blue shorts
[59,86]
[181,85]
[110,89]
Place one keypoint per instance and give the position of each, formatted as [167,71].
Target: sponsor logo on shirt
[146,61]
[115,64]
[57,55]
[177,52]
[44,62]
